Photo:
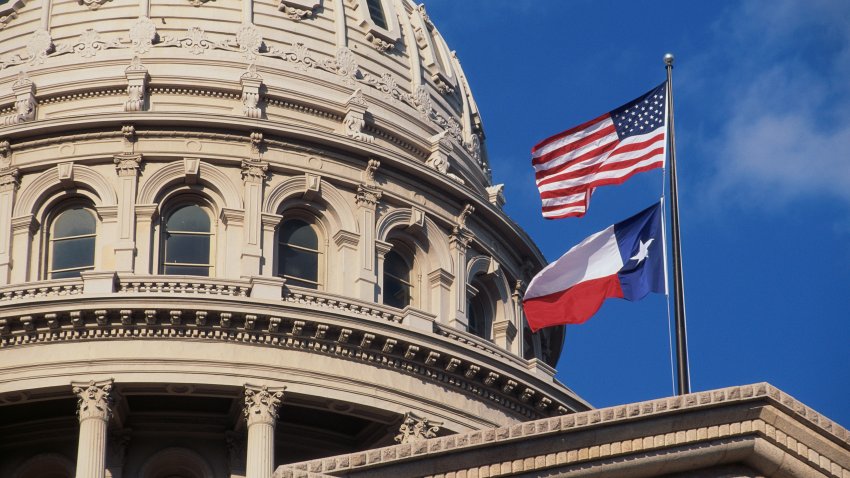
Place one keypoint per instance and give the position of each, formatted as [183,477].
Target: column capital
[460,238]
[262,403]
[254,170]
[127,164]
[368,195]
[94,399]
[10,179]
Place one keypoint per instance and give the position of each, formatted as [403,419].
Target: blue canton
[642,115]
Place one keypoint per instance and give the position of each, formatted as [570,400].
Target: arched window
[72,242]
[479,312]
[398,288]
[376,13]
[187,241]
[298,254]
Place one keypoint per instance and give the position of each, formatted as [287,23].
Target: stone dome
[240,234]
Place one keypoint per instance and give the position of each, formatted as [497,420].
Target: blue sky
[762,96]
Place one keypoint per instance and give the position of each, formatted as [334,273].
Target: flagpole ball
[668,59]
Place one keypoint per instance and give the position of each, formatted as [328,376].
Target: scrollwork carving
[142,35]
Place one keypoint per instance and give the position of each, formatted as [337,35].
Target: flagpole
[684,382]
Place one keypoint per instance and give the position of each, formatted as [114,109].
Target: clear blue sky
[762,96]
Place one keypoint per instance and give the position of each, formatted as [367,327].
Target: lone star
[643,252]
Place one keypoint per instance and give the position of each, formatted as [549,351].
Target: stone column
[127,168]
[253,178]
[9,184]
[269,244]
[261,404]
[94,409]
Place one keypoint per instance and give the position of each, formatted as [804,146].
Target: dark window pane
[396,293]
[395,265]
[189,218]
[187,249]
[300,264]
[376,12]
[527,343]
[477,314]
[187,270]
[73,222]
[72,253]
[299,233]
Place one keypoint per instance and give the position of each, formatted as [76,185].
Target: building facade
[236,234]
[245,236]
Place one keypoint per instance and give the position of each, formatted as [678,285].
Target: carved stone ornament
[415,428]
[353,125]
[250,40]
[251,84]
[9,12]
[464,215]
[137,79]
[92,4]
[39,46]
[94,399]
[369,173]
[198,3]
[298,9]
[24,90]
[142,35]
[262,403]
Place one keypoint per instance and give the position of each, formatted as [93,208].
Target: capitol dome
[237,235]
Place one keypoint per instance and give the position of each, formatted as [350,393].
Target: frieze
[249,42]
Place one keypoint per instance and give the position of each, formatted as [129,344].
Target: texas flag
[625,260]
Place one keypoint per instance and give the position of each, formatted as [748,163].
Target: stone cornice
[555,444]
[287,323]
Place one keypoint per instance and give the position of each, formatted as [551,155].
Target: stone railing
[40,290]
[160,284]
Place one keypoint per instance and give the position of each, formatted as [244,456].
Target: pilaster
[23,230]
[94,409]
[127,168]
[269,223]
[9,184]
[459,245]
[368,196]
[145,216]
[253,180]
[261,406]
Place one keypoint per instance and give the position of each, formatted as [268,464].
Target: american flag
[605,150]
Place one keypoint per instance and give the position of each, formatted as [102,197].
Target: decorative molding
[415,428]
[254,171]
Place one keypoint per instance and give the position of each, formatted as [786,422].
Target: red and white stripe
[569,165]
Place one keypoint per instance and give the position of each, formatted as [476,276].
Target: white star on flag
[643,251]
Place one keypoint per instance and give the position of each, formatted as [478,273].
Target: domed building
[246,236]
[286,203]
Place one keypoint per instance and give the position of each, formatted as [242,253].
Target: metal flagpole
[684,382]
